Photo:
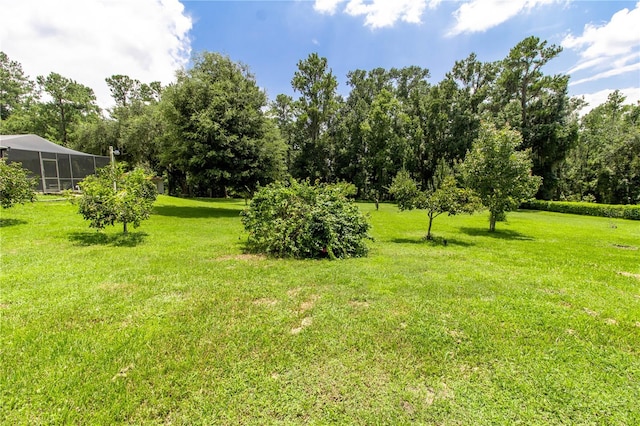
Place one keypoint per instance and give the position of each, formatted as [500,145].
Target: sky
[89,40]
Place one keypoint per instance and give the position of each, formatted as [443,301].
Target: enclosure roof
[36,143]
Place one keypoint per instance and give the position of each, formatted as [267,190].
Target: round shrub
[301,220]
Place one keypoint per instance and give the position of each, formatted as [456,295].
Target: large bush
[301,220]
[16,187]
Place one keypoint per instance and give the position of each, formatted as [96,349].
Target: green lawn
[538,323]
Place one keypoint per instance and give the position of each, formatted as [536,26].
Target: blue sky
[272,36]
[89,40]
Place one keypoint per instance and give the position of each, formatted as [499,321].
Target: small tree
[448,198]
[306,221]
[499,174]
[113,195]
[16,187]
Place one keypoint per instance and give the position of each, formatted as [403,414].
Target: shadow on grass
[195,212]
[436,241]
[94,238]
[11,222]
[502,234]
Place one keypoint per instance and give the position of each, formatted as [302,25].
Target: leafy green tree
[70,103]
[15,87]
[447,198]
[353,154]
[500,175]
[383,133]
[215,139]
[282,111]
[605,164]
[315,111]
[115,196]
[538,106]
[306,221]
[16,187]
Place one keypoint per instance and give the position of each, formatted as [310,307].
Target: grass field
[537,323]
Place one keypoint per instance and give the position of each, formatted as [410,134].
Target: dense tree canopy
[218,138]
[213,132]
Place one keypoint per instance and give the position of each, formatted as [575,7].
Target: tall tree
[282,111]
[216,129]
[15,86]
[500,175]
[70,101]
[137,121]
[538,106]
[316,108]
[352,149]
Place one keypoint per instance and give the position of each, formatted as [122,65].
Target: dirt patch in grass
[624,247]
[244,256]
[306,322]
[308,304]
[629,274]
[590,312]
[265,301]
[611,321]
[359,304]
[294,292]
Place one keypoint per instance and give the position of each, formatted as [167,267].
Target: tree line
[214,132]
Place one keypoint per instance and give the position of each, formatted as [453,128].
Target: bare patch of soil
[590,312]
[629,274]
[624,247]
[306,322]
[293,292]
[308,304]
[265,302]
[244,256]
[359,304]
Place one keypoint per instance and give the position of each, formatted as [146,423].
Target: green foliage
[217,137]
[605,164]
[71,103]
[16,187]
[315,111]
[15,86]
[447,198]
[499,174]
[628,211]
[306,221]
[113,196]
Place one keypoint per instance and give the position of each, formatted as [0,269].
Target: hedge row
[628,211]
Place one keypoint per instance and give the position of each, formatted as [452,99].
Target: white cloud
[609,73]
[481,15]
[327,6]
[89,40]
[608,48]
[380,13]
[600,97]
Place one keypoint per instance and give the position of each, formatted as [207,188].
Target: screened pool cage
[57,168]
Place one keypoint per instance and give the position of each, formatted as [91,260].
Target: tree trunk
[124,227]
[492,222]
[429,237]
